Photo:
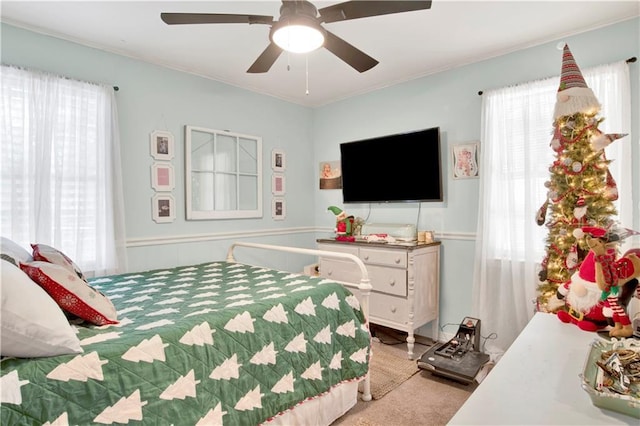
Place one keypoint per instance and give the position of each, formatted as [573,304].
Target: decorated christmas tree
[581,190]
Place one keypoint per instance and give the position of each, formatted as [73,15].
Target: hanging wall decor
[162,177]
[278,184]
[278,208]
[162,145]
[465,160]
[163,208]
[278,163]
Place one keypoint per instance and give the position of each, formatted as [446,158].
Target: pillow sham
[31,323]
[13,252]
[52,255]
[72,293]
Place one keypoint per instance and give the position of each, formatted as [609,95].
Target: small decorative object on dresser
[405,279]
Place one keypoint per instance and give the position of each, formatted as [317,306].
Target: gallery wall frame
[278,184]
[278,208]
[464,158]
[162,145]
[278,160]
[163,208]
[162,177]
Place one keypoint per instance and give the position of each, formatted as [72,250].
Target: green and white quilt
[216,343]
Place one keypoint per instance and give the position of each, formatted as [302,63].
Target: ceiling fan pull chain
[306,70]
[288,61]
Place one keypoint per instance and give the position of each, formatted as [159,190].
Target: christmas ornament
[573,94]
[581,208]
[556,142]
[576,166]
[542,213]
[601,141]
[611,188]
[572,258]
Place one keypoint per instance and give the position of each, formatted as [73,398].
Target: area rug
[389,369]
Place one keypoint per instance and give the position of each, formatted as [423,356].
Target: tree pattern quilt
[216,343]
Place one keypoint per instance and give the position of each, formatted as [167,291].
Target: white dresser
[405,280]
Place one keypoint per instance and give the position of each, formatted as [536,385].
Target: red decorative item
[611,188]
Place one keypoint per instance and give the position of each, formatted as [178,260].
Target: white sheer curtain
[61,174]
[517,124]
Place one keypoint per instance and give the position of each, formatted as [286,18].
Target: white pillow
[14,252]
[31,323]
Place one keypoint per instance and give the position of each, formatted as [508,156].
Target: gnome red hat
[573,93]
[587,269]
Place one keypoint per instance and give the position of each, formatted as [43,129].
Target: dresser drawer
[339,270]
[344,248]
[388,280]
[396,258]
[390,308]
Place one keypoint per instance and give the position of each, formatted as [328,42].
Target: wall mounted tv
[404,167]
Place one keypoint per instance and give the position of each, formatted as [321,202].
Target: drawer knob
[330,272]
[392,283]
[397,260]
[393,309]
[366,257]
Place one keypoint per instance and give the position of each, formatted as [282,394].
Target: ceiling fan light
[298,38]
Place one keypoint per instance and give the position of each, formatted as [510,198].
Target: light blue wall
[153,97]
[156,98]
[450,100]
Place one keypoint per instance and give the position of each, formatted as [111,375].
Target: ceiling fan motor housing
[300,13]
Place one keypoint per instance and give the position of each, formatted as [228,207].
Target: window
[61,168]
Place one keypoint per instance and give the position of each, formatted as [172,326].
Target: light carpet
[387,370]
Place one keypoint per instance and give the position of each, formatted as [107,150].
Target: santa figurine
[582,295]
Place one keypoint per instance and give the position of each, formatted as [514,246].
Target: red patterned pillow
[72,293]
[52,255]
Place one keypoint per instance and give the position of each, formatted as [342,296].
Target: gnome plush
[573,93]
[344,224]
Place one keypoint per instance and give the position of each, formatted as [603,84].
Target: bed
[214,343]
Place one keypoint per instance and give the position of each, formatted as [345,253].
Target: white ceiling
[408,45]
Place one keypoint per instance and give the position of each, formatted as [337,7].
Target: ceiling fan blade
[348,53]
[266,59]
[363,9]
[214,18]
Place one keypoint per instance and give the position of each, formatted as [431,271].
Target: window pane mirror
[223,174]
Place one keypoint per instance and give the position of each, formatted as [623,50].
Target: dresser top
[408,245]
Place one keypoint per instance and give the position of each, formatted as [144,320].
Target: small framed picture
[162,145]
[163,208]
[162,178]
[277,184]
[330,175]
[465,160]
[278,163]
[278,208]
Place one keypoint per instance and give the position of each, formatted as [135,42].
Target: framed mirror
[223,174]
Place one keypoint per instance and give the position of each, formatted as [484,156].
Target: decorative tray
[611,375]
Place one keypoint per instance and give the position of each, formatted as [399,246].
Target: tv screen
[396,168]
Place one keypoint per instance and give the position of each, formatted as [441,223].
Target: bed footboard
[364,285]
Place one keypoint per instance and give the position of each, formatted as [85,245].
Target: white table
[537,382]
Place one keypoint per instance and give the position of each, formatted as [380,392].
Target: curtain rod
[629,61]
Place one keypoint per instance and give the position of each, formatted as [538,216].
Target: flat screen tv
[404,167]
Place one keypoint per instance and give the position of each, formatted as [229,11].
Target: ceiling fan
[299,28]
